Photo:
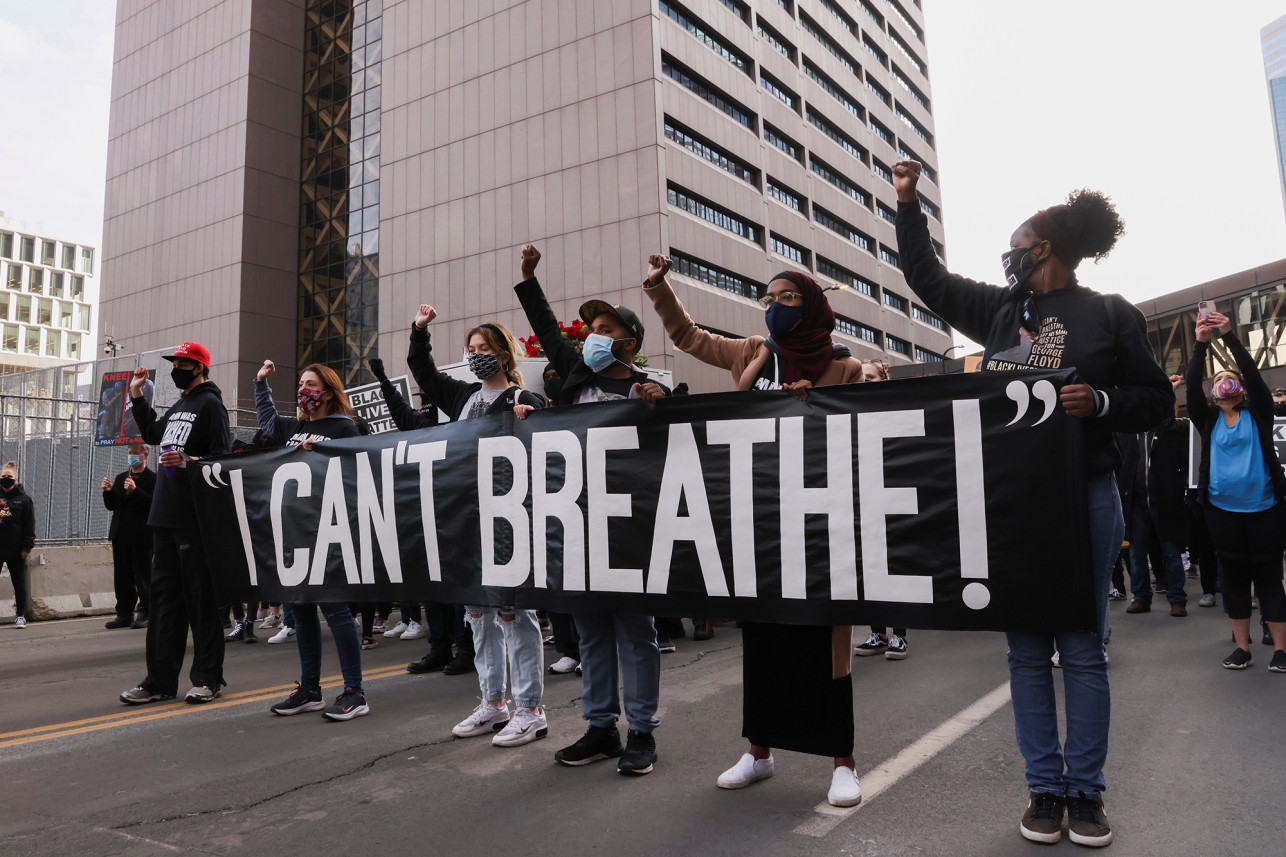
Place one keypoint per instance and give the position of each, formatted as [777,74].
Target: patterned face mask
[483,366]
[309,399]
[1228,388]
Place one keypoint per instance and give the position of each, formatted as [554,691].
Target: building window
[841,16]
[872,14]
[782,142]
[712,214]
[78,287]
[64,313]
[14,278]
[833,90]
[789,249]
[741,10]
[923,355]
[10,342]
[47,252]
[857,330]
[930,209]
[902,46]
[879,92]
[36,281]
[32,343]
[839,227]
[839,181]
[883,133]
[778,42]
[703,90]
[56,283]
[890,299]
[845,142]
[897,346]
[835,50]
[916,127]
[53,343]
[881,171]
[689,22]
[927,317]
[69,257]
[84,318]
[45,312]
[919,97]
[784,195]
[73,346]
[843,275]
[875,51]
[87,260]
[904,18]
[4,306]
[778,90]
[22,309]
[690,266]
[884,211]
[887,255]
[27,249]
[706,151]
[6,245]
[787,5]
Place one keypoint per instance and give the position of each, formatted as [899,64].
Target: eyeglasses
[789,298]
[1029,316]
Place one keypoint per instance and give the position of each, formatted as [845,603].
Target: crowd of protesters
[798,690]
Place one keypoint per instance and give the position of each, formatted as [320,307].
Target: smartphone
[1204,308]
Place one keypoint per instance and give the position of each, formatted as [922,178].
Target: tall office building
[47,297]
[313,170]
[1273,39]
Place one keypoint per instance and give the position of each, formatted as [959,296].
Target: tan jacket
[744,358]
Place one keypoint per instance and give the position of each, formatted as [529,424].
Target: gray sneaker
[202,694]
[141,696]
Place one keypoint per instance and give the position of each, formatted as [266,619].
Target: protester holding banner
[183,594]
[798,678]
[603,371]
[17,536]
[324,414]
[492,354]
[1044,318]
[1242,486]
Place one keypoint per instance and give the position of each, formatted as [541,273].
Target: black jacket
[130,511]
[289,431]
[18,528]
[450,394]
[1168,478]
[575,373]
[198,425]
[1102,336]
[1258,401]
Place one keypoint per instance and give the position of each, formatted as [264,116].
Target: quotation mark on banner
[1042,390]
[213,473]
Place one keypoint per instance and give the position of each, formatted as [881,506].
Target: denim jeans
[1142,534]
[1077,765]
[604,637]
[308,632]
[496,629]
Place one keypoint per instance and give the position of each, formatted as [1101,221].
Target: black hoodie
[18,528]
[1102,336]
[450,394]
[197,424]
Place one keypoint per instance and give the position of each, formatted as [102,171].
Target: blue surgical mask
[134,460]
[597,351]
[782,320]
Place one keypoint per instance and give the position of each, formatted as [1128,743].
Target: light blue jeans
[495,630]
[1075,767]
[603,638]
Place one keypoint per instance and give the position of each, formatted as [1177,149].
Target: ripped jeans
[496,629]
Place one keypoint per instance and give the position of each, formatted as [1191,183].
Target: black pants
[446,626]
[1250,551]
[566,638]
[132,577]
[182,597]
[17,571]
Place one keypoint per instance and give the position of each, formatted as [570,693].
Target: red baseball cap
[190,351]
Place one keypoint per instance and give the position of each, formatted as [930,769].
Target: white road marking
[139,839]
[889,772]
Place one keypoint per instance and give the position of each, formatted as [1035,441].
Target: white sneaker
[283,635]
[845,789]
[270,621]
[20,622]
[747,770]
[485,718]
[563,666]
[527,725]
[396,631]
[414,631]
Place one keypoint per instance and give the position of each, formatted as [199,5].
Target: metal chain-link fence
[49,421]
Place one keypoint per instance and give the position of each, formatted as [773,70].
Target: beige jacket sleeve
[731,354]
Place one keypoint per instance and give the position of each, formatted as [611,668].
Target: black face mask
[6,483]
[182,377]
[1018,266]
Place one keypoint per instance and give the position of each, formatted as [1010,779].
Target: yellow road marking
[172,709]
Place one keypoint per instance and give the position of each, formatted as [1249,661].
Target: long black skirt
[790,699]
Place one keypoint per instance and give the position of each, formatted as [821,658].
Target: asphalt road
[1197,763]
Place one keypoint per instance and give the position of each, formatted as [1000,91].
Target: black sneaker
[665,644]
[298,702]
[460,664]
[1238,660]
[238,633]
[349,704]
[140,621]
[598,742]
[433,662]
[702,630]
[1087,823]
[118,622]
[1278,663]
[1043,820]
[640,754]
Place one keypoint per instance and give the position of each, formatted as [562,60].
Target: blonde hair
[339,403]
[10,465]
[880,368]
[502,341]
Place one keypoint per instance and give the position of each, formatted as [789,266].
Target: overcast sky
[1161,105]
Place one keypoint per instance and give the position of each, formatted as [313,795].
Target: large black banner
[943,502]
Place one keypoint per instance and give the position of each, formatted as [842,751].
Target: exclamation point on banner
[971,502]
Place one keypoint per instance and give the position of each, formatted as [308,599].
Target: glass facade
[1258,317]
[340,195]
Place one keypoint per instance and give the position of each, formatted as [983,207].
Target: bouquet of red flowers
[4,511]
[574,333]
